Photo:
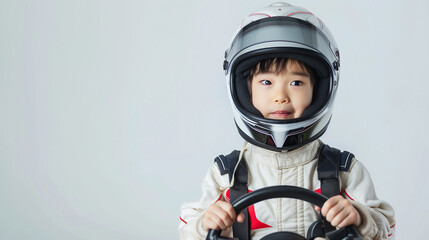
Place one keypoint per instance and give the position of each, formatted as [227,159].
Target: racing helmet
[285,31]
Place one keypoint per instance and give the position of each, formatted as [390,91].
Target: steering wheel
[284,191]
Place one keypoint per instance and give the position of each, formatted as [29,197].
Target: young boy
[282,72]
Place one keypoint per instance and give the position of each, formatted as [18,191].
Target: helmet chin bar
[258,132]
[279,138]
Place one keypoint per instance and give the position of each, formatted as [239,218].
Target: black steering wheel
[347,233]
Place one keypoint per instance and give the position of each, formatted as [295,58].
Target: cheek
[305,98]
[308,101]
[254,95]
[309,94]
[258,101]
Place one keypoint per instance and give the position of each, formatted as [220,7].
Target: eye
[296,83]
[266,82]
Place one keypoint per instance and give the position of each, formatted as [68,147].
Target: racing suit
[297,168]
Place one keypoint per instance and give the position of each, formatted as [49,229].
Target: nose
[281,97]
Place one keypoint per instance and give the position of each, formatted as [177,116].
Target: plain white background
[111,112]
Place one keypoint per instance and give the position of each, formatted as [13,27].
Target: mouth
[281,114]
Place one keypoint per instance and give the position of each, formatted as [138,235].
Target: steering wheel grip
[284,191]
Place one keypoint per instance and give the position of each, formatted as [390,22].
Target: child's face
[282,96]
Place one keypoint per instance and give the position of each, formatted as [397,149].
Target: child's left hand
[340,212]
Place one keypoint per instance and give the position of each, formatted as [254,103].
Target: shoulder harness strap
[226,165]
[331,161]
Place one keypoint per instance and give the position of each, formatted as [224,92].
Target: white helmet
[286,31]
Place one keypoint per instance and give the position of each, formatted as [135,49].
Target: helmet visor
[286,30]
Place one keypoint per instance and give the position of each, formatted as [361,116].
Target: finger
[216,223]
[219,217]
[227,207]
[353,218]
[332,202]
[223,219]
[334,212]
[344,222]
[317,208]
[338,218]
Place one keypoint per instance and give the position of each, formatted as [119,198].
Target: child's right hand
[220,216]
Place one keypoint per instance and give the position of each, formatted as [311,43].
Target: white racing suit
[297,168]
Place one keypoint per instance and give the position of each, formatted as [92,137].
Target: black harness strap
[331,161]
[327,170]
[227,165]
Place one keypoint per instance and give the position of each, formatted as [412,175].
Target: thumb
[240,217]
[316,208]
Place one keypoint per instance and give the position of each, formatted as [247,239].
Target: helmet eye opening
[241,91]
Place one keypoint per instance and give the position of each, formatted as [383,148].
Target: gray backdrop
[111,112]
